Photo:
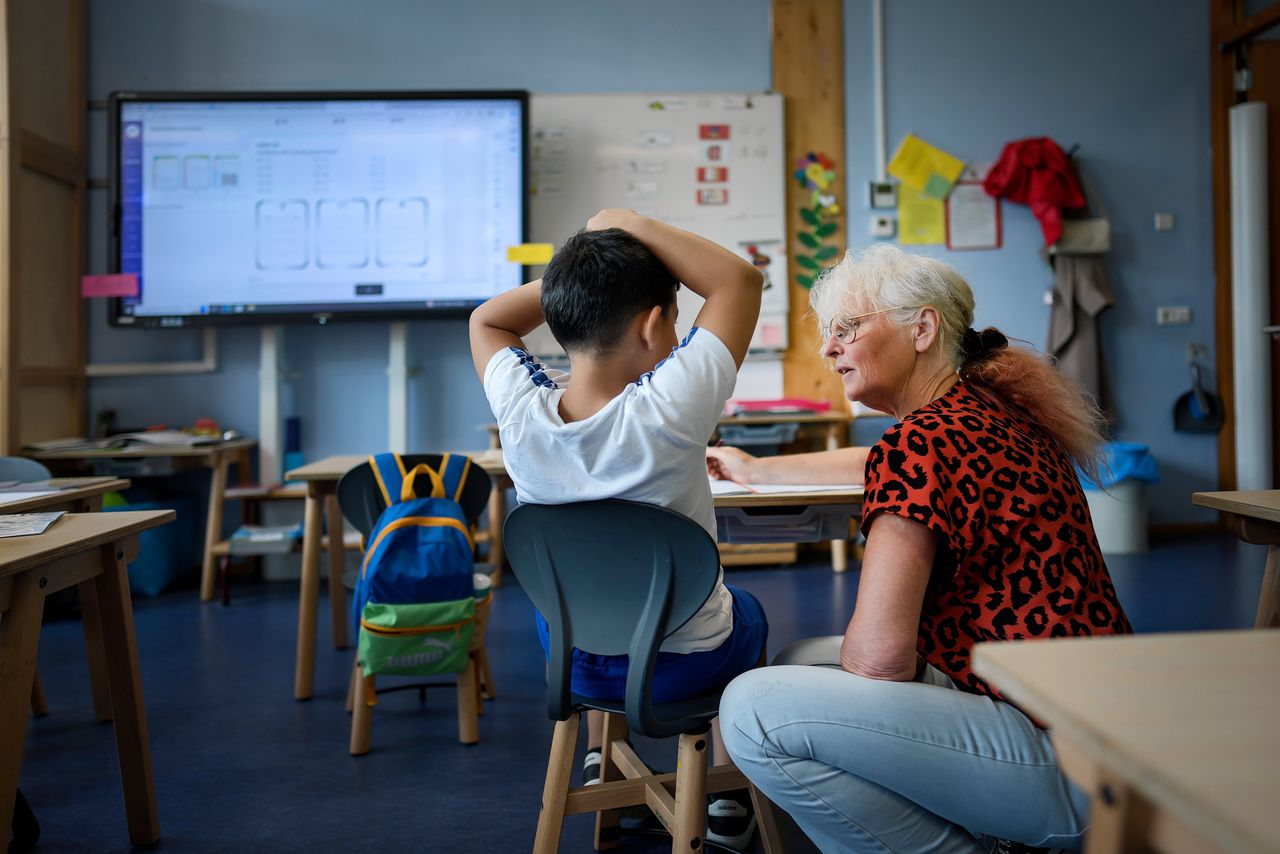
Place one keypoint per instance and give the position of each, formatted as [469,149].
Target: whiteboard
[710,163]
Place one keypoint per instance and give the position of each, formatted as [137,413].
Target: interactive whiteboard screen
[270,207]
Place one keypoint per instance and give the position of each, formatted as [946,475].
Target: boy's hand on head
[611,218]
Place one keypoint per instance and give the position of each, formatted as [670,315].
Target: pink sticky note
[115,285]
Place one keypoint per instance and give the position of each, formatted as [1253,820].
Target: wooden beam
[49,159]
[1234,33]
[1223,16]
[808,69]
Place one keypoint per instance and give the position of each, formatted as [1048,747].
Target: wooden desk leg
[121,647]
[1269,598]
[308,592]
[93,650]
[497,515]
[19,637]
[839,548]
[1119,820]
[213,525]
[337,559]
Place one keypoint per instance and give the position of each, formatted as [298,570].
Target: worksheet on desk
[729,487]
[26,524]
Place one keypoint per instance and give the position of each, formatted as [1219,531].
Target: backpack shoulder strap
[389,474]
[454,469]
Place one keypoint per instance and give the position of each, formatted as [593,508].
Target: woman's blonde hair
[883,277]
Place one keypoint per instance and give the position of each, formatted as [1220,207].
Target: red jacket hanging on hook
[1038,173]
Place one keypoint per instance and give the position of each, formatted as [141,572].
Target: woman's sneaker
[731,820]
[591,768]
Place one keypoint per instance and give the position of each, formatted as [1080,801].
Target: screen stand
[269,423]
[398,388]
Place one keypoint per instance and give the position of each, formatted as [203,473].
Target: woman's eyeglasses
[845,330]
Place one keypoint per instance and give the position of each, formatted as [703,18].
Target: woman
[977,529]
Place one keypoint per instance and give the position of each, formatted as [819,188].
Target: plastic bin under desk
[814,524]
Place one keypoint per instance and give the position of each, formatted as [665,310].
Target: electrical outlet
[1173,315]
[1164,221]
[883,225]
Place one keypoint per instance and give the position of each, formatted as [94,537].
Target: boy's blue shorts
[676,676]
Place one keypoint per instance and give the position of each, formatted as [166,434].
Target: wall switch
[1173,315]
[1164,221]
[882,194]
[883,225]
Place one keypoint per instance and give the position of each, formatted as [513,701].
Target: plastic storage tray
[763,440]
[814,524]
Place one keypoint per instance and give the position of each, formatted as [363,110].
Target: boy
[633,424]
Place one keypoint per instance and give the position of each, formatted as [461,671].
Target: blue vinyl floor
[240,766]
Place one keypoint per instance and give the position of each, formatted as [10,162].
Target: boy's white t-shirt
[647,444]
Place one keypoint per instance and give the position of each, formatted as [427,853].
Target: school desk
[158,460]
[828,429]
[1255,516]
[1173,735]
[77,495]
[78,548]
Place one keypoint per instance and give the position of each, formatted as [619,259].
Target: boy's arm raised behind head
[730,285]
[503,321]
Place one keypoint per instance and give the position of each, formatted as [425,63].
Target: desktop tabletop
[73,533]
[1256,504]
[203,450]
[1187,719]
[59,491]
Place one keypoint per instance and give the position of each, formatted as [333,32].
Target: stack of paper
[26,524]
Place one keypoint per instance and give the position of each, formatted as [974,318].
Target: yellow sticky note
[530,253]
[924,167]
[921,219]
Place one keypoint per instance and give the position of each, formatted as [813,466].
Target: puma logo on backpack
[414,605]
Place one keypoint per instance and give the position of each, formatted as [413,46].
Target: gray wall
[1127,82]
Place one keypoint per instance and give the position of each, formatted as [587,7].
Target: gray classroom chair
[21,468]
[617,577]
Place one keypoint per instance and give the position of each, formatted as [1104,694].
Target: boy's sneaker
[994,845]
[731,820]
[591,768]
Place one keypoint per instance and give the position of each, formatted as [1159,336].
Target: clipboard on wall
[972,218]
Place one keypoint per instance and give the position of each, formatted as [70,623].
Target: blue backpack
[414,605]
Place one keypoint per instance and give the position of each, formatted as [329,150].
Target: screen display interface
[317,207]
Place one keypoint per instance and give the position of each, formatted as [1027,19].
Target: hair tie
[976,346]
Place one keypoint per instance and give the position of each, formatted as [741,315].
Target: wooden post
[808,69]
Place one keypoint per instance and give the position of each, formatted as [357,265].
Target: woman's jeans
[869,765]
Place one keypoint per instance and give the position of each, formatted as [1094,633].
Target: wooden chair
[618,577]
[362,503]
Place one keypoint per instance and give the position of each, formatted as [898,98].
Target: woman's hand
[725,463]
[612,218]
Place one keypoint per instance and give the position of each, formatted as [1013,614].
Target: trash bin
[1118,504]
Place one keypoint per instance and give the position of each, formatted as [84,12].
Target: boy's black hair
[595,285]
